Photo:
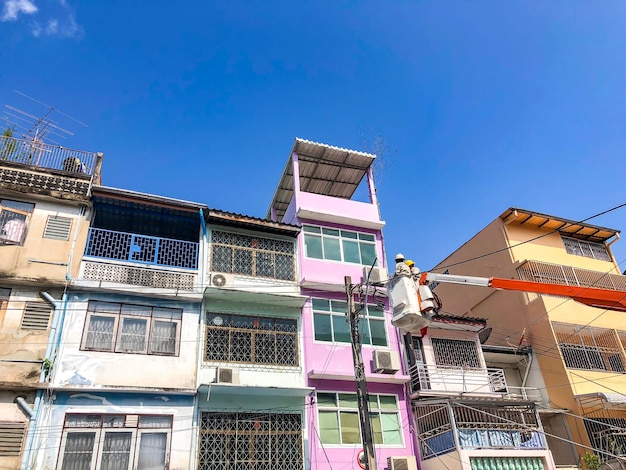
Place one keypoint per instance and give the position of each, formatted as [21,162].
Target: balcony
[128,258]
[538,271]
[321,208]
[451,380]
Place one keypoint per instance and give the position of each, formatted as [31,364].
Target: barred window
[252,340]
[233,441]
[339,245]
[456,352]
[128,328]
[100,442]
[574,246]
[330,323]
[253,256]
[14,218]
[606,433]
[338,415]
[589,348]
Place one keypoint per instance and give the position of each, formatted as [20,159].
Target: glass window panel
[311,229]
[375,311]
[132,335]
[113,421]
[330,231]
[377,330]
[364,331]
[341,331]
[313,247]
[155,421]
[348,400]
[321,304]
[100,331]
[350,431]
[18,205]
[346,234]
[339,306]
[242,321]
[152,451]
[329,427]
[78,450]
[326,399]
[285,324]
[136,310]
[368,254]
[367,237]
[376,428]
[83,421]
[116,451]
[163,337]
[391,428]
[351,252]
[171,313]
[104,307]
[323,330]
[332,249]
[388,402]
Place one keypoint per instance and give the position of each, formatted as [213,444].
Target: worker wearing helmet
[401,267]
[415,271]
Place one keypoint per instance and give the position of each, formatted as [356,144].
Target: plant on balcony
[8,145]
[591,461]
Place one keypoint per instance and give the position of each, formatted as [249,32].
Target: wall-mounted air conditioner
[220,280]
[227,375]
[386,362]
[402,463]
[376,275]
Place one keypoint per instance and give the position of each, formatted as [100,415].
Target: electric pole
[359,374]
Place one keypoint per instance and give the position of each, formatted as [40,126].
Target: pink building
[340,237]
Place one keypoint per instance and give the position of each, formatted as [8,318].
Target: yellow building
[578,350]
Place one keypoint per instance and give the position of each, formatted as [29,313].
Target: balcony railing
[558,274]
[53,157]
[143,249]
[454,379]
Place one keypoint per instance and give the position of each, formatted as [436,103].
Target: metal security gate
[250,441]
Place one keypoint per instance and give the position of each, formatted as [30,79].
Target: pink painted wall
[361,212]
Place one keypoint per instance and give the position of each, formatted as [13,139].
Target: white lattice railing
[138,276]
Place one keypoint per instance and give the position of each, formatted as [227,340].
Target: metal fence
[54,157]
[457,379]
[142,249]
[558,274]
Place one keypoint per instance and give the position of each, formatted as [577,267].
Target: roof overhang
[324,169]
[572,228]
[602,400]
[231,219]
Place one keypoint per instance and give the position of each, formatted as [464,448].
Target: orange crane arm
[592,296]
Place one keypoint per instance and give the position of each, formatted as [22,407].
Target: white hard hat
[399,256]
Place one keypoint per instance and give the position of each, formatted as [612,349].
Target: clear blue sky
[483,104]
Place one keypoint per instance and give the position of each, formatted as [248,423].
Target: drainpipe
[22,405]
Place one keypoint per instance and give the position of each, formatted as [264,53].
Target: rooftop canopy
[324,169]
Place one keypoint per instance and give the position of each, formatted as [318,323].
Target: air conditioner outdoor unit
[221,280]
[386,362]
[227,375]
[402,463]
[377,275]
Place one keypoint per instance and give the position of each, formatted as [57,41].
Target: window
[339,245]
[234,441]
[339,418]
[131,328]
[253,256]
[589,348]
[14,217]
[587,249]
[455,352]
[331,323]
[120,442]
[252,340]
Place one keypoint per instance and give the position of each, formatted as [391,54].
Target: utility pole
[359,374]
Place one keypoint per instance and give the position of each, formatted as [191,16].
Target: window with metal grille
[36,316]
[574,246]
[11,438]
[234,441]
[434,430]
[128,328]
[331,323]
[589,348]
[252,340]
[237,253]
[339,245]
[120,442]
[338,415]
[14,218]
[606,433]
[456,352]
[58,228]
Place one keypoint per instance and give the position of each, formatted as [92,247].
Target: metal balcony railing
[558,274]
[36,153]
[143,249]
[454,379]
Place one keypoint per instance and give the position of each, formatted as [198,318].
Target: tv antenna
[42,129]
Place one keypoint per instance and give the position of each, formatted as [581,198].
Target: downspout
[530,361]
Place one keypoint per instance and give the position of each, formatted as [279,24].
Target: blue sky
[483,105]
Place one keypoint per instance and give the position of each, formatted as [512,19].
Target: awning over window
[594,401]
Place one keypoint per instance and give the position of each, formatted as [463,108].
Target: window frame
[133,427]
[27,213]
[574,346]
[366,319]
[341,239]
[585,248]
[116,331]
[377,411]
[478,364]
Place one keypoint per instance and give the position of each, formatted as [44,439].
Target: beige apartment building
[579,365]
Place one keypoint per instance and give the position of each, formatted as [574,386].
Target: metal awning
[324,169]
[569,227]
[597,400]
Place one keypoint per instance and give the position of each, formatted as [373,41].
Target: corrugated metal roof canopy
[324,169]
[572,228]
